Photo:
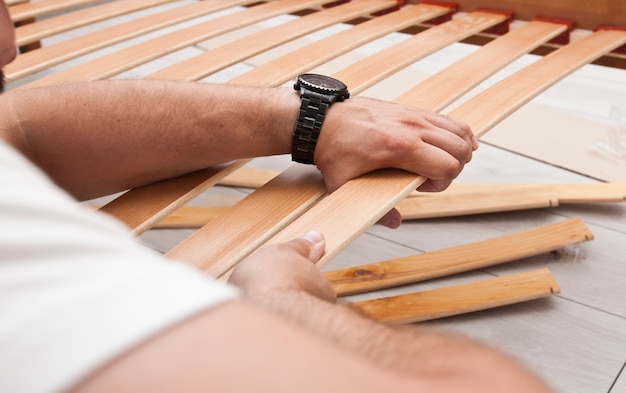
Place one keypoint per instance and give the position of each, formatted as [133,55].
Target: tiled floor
[575,340]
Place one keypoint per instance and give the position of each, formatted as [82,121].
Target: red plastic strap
[400,4]
[502,27]
[453,8]
[622,49]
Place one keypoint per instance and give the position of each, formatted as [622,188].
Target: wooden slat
[125,59]
[34,61]
[463,258]
[459,199]
[191,217]
[350,218]
[449,84]
[193,186]
[142,207]
[248,177]
[479,202]
[33,9]
[460,299]
[447,32]
[33,32]
[288,66]
[228,54]
[591,193]
[217,246]
[382,64]
[511,93]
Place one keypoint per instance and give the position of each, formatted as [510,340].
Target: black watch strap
[309,124]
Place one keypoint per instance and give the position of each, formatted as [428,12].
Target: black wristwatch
[317,92]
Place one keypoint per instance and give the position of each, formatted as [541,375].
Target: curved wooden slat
[484,201]
[458,259]
[217,246]
[516,90]
[228,54]
[449,31]
[277,71]
[32,9]
[460,299]
[30,62]
[449,84]
[125,59]
[142,207]
[382,64]
[253,241]
[33,32]
[482,112]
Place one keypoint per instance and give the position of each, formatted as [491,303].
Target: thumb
[313,246]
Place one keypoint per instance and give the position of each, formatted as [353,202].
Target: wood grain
[382,64]
[228,54]
[288,66]
[385,189]
[127,58]
[31,62]
[223,242]
[460,299]
[513,92]
[142,207]
[32,9]
[447,85]
[458,259]
[33,32]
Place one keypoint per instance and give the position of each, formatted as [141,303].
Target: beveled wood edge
[458,259]
[461,299]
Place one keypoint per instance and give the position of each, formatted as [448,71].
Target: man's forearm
[454,361]
[98,138]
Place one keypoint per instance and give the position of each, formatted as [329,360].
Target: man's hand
[287,266]
[363,134]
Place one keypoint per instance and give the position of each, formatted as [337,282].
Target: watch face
[322,82]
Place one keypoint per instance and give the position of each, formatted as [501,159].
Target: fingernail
[313,237]
[391,222]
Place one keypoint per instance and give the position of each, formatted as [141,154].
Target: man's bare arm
[96,138]
[281,338]
[282,279]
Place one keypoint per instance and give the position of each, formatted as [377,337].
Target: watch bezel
[323,84]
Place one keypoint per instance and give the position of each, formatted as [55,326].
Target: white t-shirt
[75,288]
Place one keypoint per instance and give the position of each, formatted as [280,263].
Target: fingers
[285,266]
[314,245]
[453,125]
[392,219]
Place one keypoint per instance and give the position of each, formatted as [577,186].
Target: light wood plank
[248,177]
[125,59]
[449,84]
[34,61]
[511,93]
[458,259]
[480,202]
[142,207]
[34,32]
[228,54]
[445,33]
[350,217]
[280,70]
[460,299]
[565,192]
[32,9]
[217,246]
[464,199]
[382,64]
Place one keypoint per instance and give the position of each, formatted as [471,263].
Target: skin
[144,131]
